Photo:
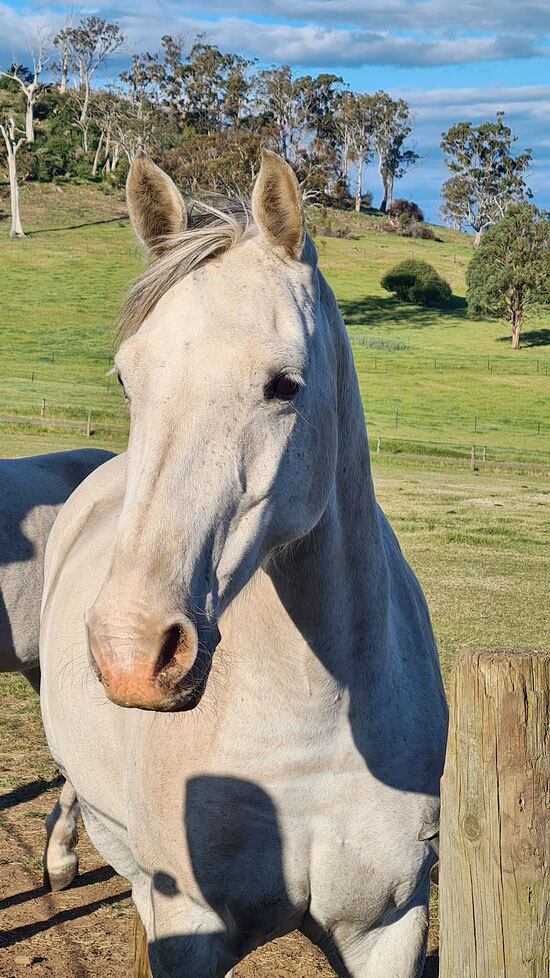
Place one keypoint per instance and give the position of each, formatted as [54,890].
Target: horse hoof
[63,875]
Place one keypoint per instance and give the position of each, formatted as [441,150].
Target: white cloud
[411,15]
[361,34]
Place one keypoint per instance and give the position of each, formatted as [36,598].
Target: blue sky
[450,60]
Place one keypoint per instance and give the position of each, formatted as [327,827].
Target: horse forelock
[212,230]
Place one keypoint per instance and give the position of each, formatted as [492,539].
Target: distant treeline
[205,115]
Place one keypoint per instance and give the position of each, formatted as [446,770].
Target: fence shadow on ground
[374,310]
[100,875]
[27,792]
[26,931]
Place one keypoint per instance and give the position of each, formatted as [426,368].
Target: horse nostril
[172,641]
[177,654]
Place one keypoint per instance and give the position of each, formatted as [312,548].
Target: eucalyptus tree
[14,137]
[287,102]
[510,272]
[486,176]
[353,122]
[390,127]
[62,64]
[89,44]
[28,79]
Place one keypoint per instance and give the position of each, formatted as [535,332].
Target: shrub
[405,208]
[418,282]
[412,229]
[330,232]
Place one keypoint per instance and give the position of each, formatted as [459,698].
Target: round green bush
[417,281]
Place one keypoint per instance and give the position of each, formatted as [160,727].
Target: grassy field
[430,379]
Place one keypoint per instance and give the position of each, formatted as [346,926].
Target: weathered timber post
[89,424]
[494,896]
[473,458]
[43,407]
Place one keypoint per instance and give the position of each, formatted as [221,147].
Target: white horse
[293,779]
[33,491]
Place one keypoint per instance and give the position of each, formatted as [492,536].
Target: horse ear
[155,204]
[277,205]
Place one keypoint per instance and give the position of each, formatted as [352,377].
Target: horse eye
[283,387]
[121,382]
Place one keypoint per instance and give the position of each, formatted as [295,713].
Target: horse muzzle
[150,663]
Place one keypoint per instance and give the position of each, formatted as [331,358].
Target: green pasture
[432,381]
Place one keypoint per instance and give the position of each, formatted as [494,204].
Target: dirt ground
[84,932]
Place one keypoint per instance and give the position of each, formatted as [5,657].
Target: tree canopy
[510,272]
[486,176]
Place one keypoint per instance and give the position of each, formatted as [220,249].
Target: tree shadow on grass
[529,339]
[75,227]
[373,310]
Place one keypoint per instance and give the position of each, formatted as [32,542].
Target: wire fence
[388,356]
[403,418]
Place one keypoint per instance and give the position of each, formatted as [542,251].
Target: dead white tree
[14,139]
[89,45]
[61,42]
[29,81]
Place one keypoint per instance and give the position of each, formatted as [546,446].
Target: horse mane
[215,224]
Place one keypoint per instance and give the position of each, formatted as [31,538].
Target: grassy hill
[432,381]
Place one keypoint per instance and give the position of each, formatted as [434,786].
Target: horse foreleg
[60,859]
[397,948]
[142,968]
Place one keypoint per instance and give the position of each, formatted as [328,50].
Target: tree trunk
[96,157]
[16,226]
[381,174]
[494,895]
[63,79]
[517,318]
[29,121]
[477,238]
[84,110]
[389,192]
[115,156]
[358,184]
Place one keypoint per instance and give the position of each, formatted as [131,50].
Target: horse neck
[326,597]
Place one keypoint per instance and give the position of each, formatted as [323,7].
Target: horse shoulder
[95,501]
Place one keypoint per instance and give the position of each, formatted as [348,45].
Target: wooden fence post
[473,458]
[43,407]
[494,895]
[89,424]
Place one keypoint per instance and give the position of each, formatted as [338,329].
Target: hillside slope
[427,376]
